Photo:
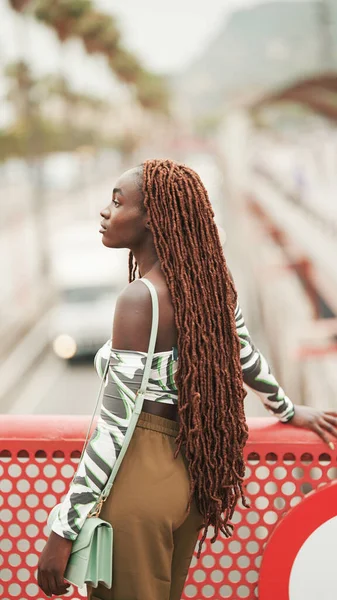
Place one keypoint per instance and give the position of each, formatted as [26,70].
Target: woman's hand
[52,565]
[319,421]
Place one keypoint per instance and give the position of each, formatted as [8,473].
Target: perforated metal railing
[38,456]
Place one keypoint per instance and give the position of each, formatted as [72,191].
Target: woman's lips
[102,230]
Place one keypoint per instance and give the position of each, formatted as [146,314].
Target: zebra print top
[123,381]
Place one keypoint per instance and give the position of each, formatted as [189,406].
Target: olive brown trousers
[154,534]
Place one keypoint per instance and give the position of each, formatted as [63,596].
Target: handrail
[73,427]
[38,456]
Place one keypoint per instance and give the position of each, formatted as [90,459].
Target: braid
[213,429]
[132,267]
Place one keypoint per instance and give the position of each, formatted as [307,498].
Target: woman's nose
[105,213]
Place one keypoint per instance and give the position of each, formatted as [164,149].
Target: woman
[184,468]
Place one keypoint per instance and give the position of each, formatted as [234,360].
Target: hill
[256,48]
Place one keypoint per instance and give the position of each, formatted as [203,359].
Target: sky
[169,34]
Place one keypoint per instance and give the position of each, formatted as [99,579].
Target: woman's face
[124,222]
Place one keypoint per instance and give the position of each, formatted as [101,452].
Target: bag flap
[87,532]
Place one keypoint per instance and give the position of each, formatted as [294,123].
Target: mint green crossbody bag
[91,555]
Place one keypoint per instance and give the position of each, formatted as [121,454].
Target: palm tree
[58,86]
[110,39]
[62,15]
[21,89]
[82,113]
[98,32]
[18,5]
[23,95]
[152,92]
[125,65]
[29,132]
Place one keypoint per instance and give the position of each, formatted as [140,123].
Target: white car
[82,320]
[87,280]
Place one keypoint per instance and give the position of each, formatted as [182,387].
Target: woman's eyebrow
[117,191]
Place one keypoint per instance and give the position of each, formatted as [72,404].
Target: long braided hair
[213,429]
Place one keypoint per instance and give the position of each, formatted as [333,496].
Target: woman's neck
[146,259]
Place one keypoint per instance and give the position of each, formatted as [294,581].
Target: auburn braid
[213,429]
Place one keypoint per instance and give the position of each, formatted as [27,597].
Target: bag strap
[141,392]
[139,399]
[146,374]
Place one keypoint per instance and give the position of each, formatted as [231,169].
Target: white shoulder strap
[141,392]
[153,338]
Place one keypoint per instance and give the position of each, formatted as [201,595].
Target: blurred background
[243,92]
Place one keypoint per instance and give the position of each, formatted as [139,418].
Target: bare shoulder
[132,318]
[135,294]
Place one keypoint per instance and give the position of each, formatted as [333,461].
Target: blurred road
[54,387]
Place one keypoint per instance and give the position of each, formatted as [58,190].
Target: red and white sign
[300,558]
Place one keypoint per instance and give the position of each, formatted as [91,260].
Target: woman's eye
[116,203]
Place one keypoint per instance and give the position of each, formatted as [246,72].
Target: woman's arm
[258,377]
[132,309]
[257,374]
[104,445]
[90,480]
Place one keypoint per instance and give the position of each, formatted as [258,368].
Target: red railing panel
[38,457]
